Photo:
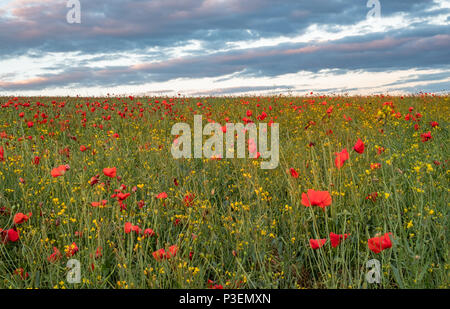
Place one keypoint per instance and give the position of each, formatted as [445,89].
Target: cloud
[126,42]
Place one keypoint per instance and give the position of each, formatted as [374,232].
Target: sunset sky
[224,47]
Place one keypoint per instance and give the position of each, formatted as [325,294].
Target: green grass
[251,230]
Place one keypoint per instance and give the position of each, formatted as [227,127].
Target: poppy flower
[159,254]
[36,160]
[21,273]
[335,239]
[316,198]
[98,252]
[2,154]
[21,218]
[317,243]
[341,157]
[378,244]
[121,196]
[426,136]
[359,146]
[72,249]
[372,196]
[149,232]
[83,148]
[110,172]
[380,150]
[163,254]
[189,199]
[375,166]
[60,170]
[172,251]
[97,204]
[434,124]
[94,180]
[213,286]
[131,228]
[162,195]
[293,172]
[55,256]
[11,235]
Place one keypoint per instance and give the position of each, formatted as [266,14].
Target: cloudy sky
[224,47]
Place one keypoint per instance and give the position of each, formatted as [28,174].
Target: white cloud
[301,82]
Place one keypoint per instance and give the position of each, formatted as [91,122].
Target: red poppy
[21,218]
[317,243]
[159,254]
[83,148]
[316,198]
[335,239]
[110,172]
[434,124]
[380,150]
[359,146]
[372,196]
[213,286]
[341,157]
[375,166]
[149,232]
[121,196]
[98,252]
[172,251]
[293,172]
[2,154]
[13,235]
[378,244]
[97,204]
[21,273]
[55,256]
[163,254]
[94,180]
[162,195]
[426,136]
[60,170]
[72,249]
[131,228]
[189,199]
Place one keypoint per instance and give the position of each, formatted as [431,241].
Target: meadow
[93,179]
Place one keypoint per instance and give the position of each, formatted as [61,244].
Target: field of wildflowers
[93,179]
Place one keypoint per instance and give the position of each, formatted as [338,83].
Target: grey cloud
[134,24]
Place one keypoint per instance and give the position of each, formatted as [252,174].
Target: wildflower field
[93,179]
